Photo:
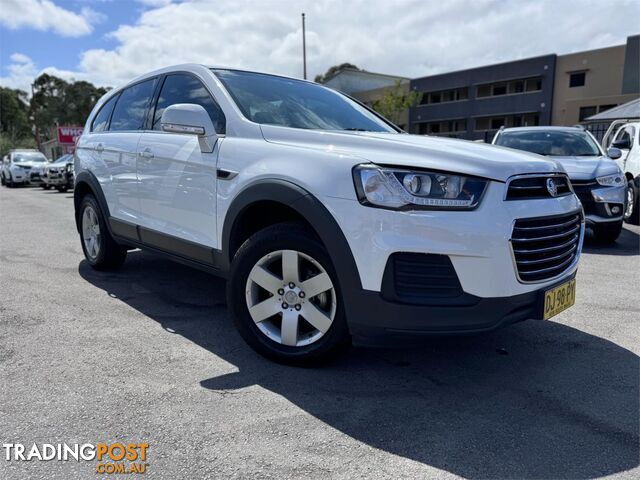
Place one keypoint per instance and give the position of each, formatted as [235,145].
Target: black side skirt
[183,251]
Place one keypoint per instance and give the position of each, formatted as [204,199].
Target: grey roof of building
[626,110]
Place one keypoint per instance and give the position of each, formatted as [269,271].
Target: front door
[177,182]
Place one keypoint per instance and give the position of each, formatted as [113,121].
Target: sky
[109,42]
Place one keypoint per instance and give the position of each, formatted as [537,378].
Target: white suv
[18,166]
[627,140]
[330,224]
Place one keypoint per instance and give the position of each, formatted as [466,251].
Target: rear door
[118,147]
[177,181]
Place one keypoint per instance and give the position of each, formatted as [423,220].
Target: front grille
[582,189]
[420,278]
[535,186]
[545,247]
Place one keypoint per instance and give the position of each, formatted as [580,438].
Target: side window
[180,88]
[130,108]
[101,120]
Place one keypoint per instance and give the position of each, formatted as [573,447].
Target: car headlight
[615,180]
[401,189]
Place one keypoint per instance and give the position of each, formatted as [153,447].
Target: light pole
[304,49]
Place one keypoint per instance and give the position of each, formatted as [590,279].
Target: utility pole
[35,121]
[304,49]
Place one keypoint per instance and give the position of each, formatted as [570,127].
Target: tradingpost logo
[110,458]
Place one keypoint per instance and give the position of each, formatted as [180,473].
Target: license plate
[559,298]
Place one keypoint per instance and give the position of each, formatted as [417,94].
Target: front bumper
[382,323]
[477,243]
[601,204]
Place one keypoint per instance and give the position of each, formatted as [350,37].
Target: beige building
[590,82]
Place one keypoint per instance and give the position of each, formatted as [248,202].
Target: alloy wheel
[630,201]
[91,232]
[291,298]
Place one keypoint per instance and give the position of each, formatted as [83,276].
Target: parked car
[330,224]
[627,140]
[59,174]
[596,179]
[18,164]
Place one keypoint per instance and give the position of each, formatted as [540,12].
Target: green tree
[395,100]
[15,127]
[58,102]
[332,71]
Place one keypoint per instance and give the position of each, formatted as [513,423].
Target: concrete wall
[604,73]
[538,102]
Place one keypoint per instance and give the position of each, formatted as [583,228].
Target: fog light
[615,210]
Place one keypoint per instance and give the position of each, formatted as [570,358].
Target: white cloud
[21,72]
[45,15]
[406,37]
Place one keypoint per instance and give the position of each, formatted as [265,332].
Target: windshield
[63,159]
[29,157]
[293,103]
[552,143]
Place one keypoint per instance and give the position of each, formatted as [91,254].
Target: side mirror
[614,153]
[191,119]
[624,144]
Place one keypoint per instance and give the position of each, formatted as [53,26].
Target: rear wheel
[632,209]
[607,232]
[100,249]
[284,296]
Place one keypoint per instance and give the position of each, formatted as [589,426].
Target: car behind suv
[330,224]
[627,140]
[17,167]
[59,174]
[596,179]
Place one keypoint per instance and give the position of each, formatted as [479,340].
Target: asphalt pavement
[149,354]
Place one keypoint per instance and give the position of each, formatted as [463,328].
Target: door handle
[146,153]
[100,147]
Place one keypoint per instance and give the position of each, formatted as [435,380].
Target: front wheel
[2,180]
[62,189]
[632,209]
[284,297]
[607,232]
[100,249]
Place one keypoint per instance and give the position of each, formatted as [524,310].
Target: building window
[446,128]
[444,96]
[577,79]
[508,88]
[519,120]
[604,108]
[587,112]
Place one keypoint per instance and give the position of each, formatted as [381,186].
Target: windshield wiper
[356,130]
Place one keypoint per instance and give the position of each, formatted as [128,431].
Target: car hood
[417,151]
[30,164]
[587,168]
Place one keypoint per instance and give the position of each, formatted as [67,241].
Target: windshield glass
[293,103]
[552,143]
[63,159]
[29,157]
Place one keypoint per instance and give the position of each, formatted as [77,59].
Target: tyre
[632,207]
[2,180]
[284,296]
[607,232]
[100,249]
[46,186]
[62,189]
[10,183]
